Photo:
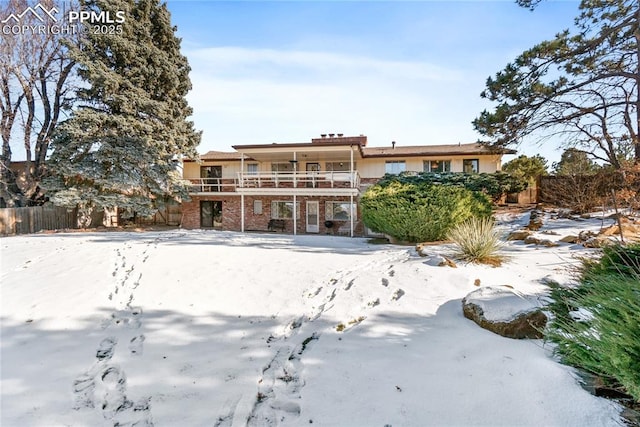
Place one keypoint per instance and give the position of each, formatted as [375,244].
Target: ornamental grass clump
[477,240]
[596,325]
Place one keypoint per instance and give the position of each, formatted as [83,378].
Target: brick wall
[231,214]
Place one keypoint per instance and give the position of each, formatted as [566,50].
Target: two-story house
[309,187]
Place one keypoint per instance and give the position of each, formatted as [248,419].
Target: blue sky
[404,71]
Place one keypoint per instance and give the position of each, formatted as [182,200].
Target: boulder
[535,220]
[519,235]
[630,229]
[598,242]
[540,242]
[440,261]
[421,249]
[502,311]
[569,239]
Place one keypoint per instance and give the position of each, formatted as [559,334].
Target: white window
[395,167]
[284,210]
[338,211]
[470,166]
[437,166]
[282,167]
[257,207]
[339,166]
[252,168]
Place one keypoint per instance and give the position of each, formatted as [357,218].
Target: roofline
[296,144]
[237,155]
[443,153]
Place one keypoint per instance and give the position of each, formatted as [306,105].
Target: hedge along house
[309,187]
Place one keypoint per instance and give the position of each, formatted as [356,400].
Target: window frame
[346,166]
[276,212]
[276,167]
[388,163]
[466,162]
[258,208]
[427,166]
[329,210]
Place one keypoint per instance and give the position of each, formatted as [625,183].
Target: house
[257,186]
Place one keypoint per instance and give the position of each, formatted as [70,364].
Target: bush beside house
[419,211]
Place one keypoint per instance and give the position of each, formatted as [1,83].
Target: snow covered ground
[195,328]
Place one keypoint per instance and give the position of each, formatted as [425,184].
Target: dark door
[210,213]
[211,178]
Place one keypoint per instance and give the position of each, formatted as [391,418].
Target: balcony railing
[266,180]
[211,185]
[299,180]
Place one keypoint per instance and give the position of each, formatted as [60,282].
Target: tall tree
[526,168]
[575,162]
[584,87]
[123,144]
[35,90]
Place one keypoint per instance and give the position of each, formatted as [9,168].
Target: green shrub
[494,185]
[477,240]
[624,260]
[419,212]
[596,325]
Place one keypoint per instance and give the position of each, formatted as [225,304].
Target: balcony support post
[351,214]
[242,212]
[295,215]
[351,172]
[241,170]
[295,169]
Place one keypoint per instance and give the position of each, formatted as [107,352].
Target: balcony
[322,180]
[281,183]
[211,185]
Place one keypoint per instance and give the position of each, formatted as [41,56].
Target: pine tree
[575,162]
[584,87]
[526,168]
[123,144]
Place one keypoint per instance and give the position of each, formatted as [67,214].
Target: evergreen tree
[526,168]
[123,144]
[575,162]
[583,86]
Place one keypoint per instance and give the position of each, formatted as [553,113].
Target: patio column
[351,213]
[295,169]
[242,212]
[353,182]
[352,178]
[295,216]
[241,174]
[295,210]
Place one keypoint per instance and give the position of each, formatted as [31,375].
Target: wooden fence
[36,218]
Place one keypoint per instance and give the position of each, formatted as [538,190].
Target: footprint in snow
[106,348]
[349,285]
[135,345]
[397,295]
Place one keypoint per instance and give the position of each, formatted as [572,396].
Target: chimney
[324,135]
[340,135]
[331,135]
[393,144]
